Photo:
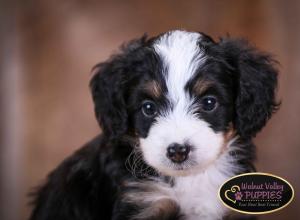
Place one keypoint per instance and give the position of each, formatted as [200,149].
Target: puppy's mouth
[180,169]
[189,164]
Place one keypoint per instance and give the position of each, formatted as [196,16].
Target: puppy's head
[182,96]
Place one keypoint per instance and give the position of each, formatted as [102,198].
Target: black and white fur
[126,173]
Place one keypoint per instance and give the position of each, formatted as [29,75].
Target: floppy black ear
[256,86]
[108,87]
[107,93]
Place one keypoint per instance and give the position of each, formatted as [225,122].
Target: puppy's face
[181,96]
[184,109]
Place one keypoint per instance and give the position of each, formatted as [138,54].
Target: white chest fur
[197,195]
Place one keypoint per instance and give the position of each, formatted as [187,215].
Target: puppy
[178,112]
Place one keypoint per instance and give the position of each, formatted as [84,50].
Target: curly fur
[109,178]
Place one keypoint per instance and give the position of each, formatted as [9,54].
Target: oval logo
[256,193]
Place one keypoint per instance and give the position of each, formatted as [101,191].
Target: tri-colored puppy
[178,112]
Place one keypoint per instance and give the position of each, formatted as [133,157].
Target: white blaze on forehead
[181,57]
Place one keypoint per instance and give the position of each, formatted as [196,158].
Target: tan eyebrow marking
[201,85]
[153,88]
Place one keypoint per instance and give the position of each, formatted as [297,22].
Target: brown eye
[208,103]
[149,108]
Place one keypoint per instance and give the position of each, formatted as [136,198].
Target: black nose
[177,152]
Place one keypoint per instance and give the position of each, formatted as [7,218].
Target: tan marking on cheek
[228,136]
[153,88]
[201,85]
